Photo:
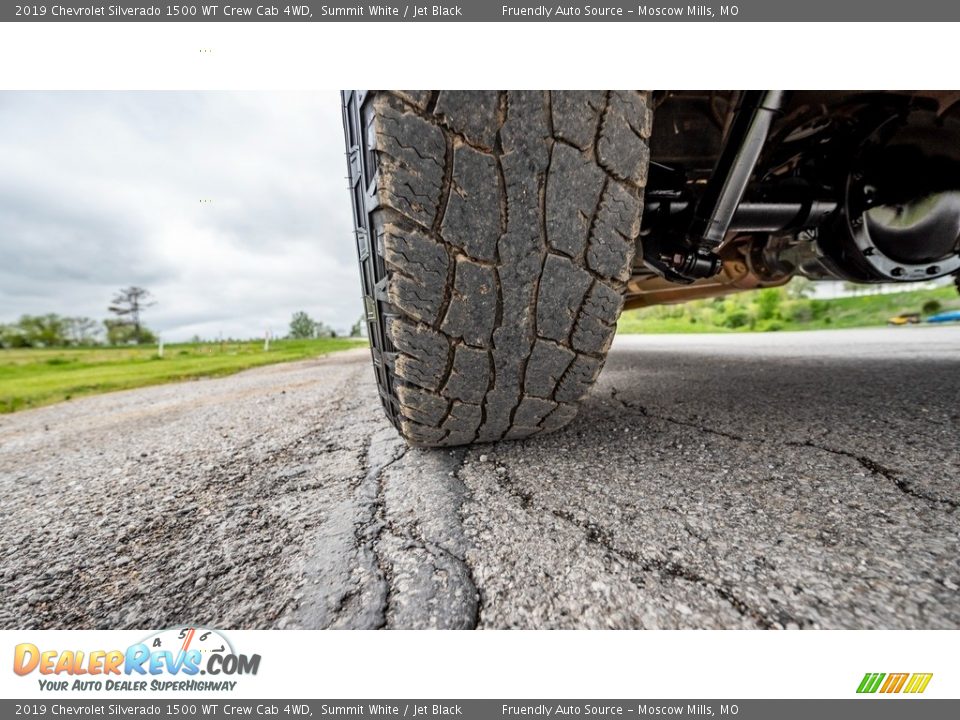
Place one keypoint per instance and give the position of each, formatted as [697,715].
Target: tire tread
[505,226]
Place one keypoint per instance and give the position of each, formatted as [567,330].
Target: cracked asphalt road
[752,481]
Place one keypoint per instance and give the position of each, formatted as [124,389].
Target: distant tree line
[53,330]
[777,308]
[125,328]
[766,309]
[303,327]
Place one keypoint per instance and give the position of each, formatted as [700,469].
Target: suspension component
[900,218]
[758,217]
[717,206]
[866,190]
[736,163]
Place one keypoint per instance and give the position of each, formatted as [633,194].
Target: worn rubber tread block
[621,149]
[472,113]
[410,162]
[469,376]
[575,115]
[473,306]
[422,265]
[422,406]
[526,129]
[423,353]
[634,108]
[532,410]
[546,366]
[472,218]
[615,228]
[578,379]
[421,434]
[462,422]
[561,415]
[420,98]
[562,289]
[573,193]
[597,322]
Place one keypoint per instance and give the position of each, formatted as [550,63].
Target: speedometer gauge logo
[183,639]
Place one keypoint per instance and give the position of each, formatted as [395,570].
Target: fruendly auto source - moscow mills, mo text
[545,12]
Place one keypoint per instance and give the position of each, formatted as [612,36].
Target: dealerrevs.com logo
[169,660]
[911,683]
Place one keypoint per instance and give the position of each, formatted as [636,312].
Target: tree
[127,305]
[302,326]
[50,330]
[81,331]
[12,336]
[121,332]
[322,330]
[43,330]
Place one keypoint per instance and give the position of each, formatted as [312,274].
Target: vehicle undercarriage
[749,189]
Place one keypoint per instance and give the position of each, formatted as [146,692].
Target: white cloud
[103,190]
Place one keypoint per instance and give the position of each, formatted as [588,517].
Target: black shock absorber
[715,211]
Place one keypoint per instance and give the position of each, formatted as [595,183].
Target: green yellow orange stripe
[893,683]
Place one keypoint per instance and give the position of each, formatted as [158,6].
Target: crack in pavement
[422,512]
[866,462]
[630,405]
[461,514]
[881,470]
[407,566]
[379,454]
[667,570]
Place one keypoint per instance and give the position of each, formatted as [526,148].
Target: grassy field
[771,310]
[34,377]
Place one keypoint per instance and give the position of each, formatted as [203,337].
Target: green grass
[34,377]
[746,312]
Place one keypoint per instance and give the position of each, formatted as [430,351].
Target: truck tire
[495,231]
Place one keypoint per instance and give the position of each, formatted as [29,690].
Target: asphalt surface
[804,480]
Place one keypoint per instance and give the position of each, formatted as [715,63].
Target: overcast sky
[103,190]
